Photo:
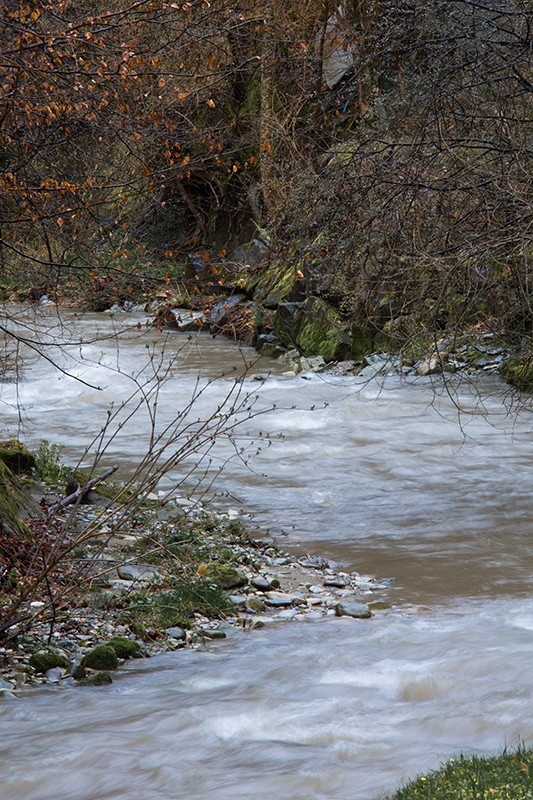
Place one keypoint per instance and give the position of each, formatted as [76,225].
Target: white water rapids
[386,478]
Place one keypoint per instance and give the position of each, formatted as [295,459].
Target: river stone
[336,581]
[261,583]
[54,675]
[278,599]
[212,634]
[355,610]
[255,604]
[176,633]
[187,320]
[313,562]
[137,572]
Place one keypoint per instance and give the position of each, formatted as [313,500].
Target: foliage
[502,777]
[49,467]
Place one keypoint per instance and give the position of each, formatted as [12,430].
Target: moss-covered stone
[98,679]
[124,647]
[321,332]
[15,503]
[16,456]
[282,282]
[101,657]
[226,577]
[518,371]
[48,659]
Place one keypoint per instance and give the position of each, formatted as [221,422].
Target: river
[387,477]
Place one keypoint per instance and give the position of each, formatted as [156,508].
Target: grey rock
[212,634]
[355,610]
[137,572]
[336,581]
[313,562]
[220,314]
[312,363]
[261,583]
[54,675]
[278,599]
[176,633]
[185,319]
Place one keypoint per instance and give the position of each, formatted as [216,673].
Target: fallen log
[81,491]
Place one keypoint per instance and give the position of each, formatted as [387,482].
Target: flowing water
[386,477]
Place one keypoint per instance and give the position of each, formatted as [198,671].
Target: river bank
[176,576]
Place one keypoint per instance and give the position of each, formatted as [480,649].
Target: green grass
[508,776]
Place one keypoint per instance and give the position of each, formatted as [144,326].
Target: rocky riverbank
[175,577]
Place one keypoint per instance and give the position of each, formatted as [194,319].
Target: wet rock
[99,679]
[78,672]
[212,634]
[355,610]
[312,364]
[54,675]
[185,319]
[221,313]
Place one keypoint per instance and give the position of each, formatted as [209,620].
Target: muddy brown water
[387,478]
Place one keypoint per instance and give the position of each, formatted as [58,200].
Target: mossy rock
[48,659]
[518,372]
[98,679]
[16,456]
[101,657]
[226,577]
[282,282]
[124,647]
[15,502]
[322,333]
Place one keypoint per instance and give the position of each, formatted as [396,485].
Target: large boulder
[16,456]
[15,504]
[322,333]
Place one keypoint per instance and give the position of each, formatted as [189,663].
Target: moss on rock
[226,577]
[15,502]
[16,456]
[518,371]
[321,332]
[101,657]
[48,659]
[124,647]
[98,679]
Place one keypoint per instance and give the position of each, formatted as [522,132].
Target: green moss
[508,776]
[98,679]
[101,657]
[16,456]
[518,372]
[48,659]
[124,647]
[14,503]
[226,577]
[321,332]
